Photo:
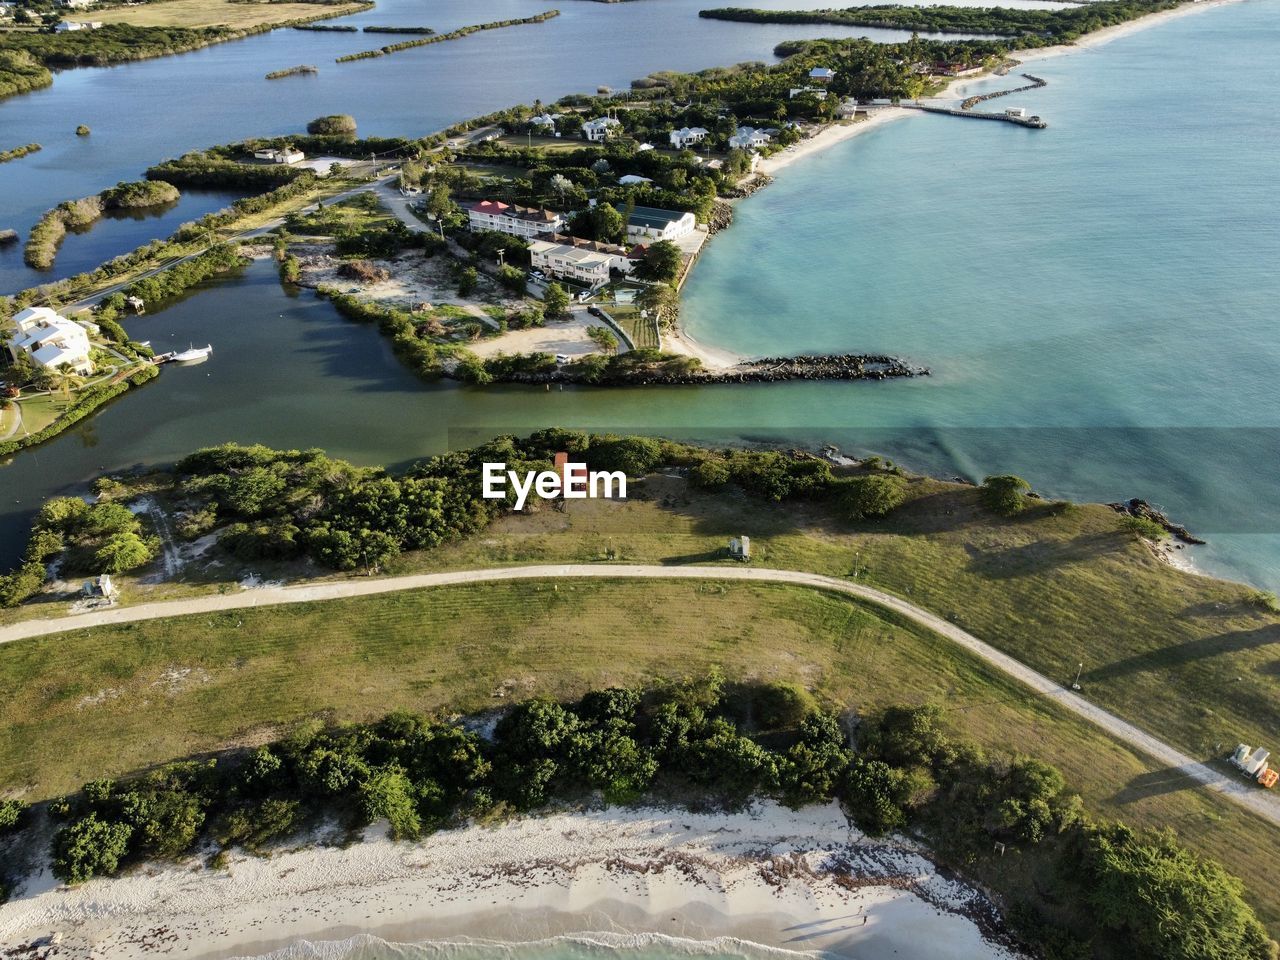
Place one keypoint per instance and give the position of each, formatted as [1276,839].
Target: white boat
[193,355]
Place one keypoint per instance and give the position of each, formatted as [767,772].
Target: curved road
[1253,799]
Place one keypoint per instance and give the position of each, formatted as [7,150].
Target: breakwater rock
[765,370]
[1140,508]
[1035,83]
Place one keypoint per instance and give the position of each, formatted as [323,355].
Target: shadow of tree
[1154,784]
[1165,658]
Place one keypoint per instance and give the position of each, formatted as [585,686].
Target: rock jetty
[1140,508]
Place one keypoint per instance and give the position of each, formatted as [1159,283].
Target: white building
[571,263]
[631,178]
[51,341]
[70,26]
[600,129]
[817,93]
[822,74]
[647,224]
[287,155]
[75,4]
[622,259]
[517,221]
[748,138]
[544,120]
[687,136]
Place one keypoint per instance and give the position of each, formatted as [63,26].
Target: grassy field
[217,13]
[113,700]
[565,143]
[642,332]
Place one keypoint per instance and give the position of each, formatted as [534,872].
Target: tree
[661,302]
[561,185]
[11,812]
[89,848]
[873,794]
[467,280]
[1168,902]
[388,795]
[1005,494]
[873,496]
[661,263]
[121,552]
[556,300]
[513,278]
[338,124]
[601,222]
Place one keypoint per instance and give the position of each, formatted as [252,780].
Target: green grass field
[114,700]
[215,13]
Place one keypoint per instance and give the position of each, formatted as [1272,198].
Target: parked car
[596,312]
[562,358]
[537,274]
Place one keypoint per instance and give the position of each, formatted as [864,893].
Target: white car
[563,358]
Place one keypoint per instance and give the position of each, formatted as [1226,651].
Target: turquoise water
[1097,301]
[584,946]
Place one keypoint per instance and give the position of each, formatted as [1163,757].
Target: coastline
[793,880]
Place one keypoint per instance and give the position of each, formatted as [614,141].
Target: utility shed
[740,548]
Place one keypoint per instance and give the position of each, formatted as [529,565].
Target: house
[631,178]
[70,26]
[621,259]
[956,69]
[687,136]
[51,341]
[821,75]
[748,137]
[570,262]
[646,224]
[544,120]
[848,109]
[286,155]
[514,220]
[814,91]
[600,128]
[75,4]
[644,148]
[740,548]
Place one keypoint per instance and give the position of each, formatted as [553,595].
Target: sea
[1097,301]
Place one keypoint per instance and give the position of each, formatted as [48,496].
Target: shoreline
[798,881]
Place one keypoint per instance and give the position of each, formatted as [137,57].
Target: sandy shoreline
[797,880]
[829,137]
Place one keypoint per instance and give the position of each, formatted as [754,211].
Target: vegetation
[82,130]
[20,72]
[18,152]
[662,263]
[451,35]
[421,30]
[1005,494]
[1033,28]
[1127,893]
[181,277]
[555,301]
[302,68]
[335,125]
[47,234]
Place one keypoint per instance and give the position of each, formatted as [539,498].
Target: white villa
[822,74]
[631,178]
[748,138]
[649,223]
[572,263]
[70,26]
[517,221]
[75,4]
[818,93]
[686,136]
[287,155]
[543,120]
[51,341]
[600,128]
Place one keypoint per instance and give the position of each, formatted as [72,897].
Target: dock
[1034,122]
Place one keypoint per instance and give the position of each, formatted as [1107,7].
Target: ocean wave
[575,946]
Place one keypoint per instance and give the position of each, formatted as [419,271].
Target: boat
[193,355]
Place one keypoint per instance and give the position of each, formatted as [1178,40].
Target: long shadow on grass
[1041,556]
[1166,658]
[1155,784]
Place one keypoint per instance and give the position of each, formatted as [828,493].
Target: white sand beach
[829,137]
[798,880]
[713,358]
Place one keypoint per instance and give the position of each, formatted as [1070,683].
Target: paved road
[1252,798]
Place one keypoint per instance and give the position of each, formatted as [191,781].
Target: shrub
[88,848]
[1004,494]
[338,124]
[873,496]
